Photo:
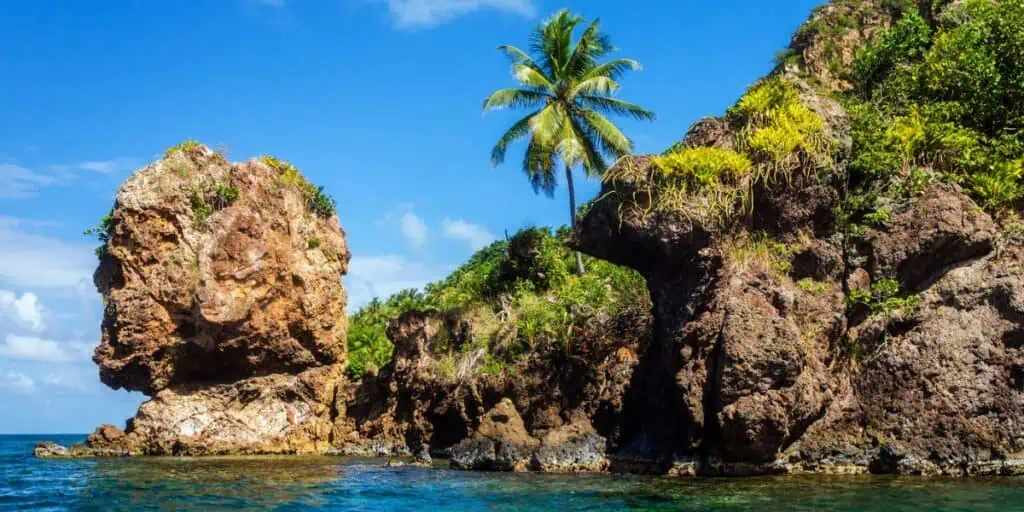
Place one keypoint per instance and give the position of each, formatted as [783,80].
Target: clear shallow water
[324,483]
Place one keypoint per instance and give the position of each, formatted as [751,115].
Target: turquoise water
[324,483]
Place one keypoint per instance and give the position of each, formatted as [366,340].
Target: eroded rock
[224,304]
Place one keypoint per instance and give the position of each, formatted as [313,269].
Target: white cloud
[31,348]
[33,261]
[475,235]
[109,166]
[18,182]
[17,382]
[414,230]
[428,13]
[381,276]
[25,311]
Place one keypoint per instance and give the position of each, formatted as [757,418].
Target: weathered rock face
[197,291]
[224,304]
[751,372]
[412,407]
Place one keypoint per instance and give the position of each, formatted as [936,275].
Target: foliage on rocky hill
[520,292]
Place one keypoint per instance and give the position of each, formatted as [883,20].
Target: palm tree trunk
[572,214]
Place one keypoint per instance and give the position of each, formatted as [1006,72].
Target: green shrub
[883,298]
[318,202]
[812,286]
[703,167]
[223,195]
[780,131]
[313,242]
[102,231]
[520,293]
[187,147]
[201,209]
[999,187]
[367,342]
[905,42]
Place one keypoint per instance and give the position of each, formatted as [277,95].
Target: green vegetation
[883,298]
[810,285]
[102,231]
[780,132]
[778,135]
[518,294]
[746,250]
[313,242]
[211,198]
[318,202]
[573,92]
[940,99]
[187,147]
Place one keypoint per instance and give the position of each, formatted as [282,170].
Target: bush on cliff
[517,294]
[941,99]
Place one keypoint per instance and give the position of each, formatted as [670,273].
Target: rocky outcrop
[224,304]
[500,443]
[216,272]
[536,414]
[758,367]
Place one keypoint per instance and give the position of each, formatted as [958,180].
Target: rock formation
[224,304]
[758,367]
[783,336]
[537,414]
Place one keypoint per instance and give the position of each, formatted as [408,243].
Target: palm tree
[571,91]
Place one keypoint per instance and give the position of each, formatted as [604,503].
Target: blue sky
[377,100]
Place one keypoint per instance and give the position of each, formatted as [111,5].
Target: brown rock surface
[254,289]
[752,372]
[224,304]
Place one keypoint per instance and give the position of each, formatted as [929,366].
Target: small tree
[571,92]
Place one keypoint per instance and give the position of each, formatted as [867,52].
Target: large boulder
[216,272]
[223,302]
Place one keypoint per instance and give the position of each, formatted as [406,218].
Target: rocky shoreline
[782,341]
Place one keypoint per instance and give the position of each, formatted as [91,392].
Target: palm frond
[591,46]
[553,41]
[616,106]
[614,69]
[516,55]
[593,163]
[570,148]
[611,139]
[546,125]
[539,166]
[518,130]
[531,77]
[514,98]
[598,85]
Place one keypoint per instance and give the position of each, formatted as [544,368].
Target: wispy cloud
[430,13]
[30,260]
[24,311]
[381,276]
[109,166]
[32,348]
[475,235]
[17,382]
[18,182]
[414,230]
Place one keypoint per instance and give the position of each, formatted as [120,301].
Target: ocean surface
[326,483]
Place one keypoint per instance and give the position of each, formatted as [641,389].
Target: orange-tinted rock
[254,289]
